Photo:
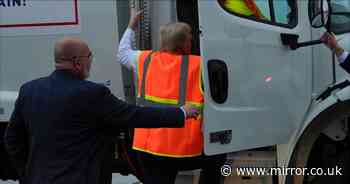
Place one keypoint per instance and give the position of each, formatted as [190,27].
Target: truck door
[257,91]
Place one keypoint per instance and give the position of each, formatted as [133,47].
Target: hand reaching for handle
[192,111]
[135,17]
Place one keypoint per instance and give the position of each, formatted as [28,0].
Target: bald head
[73,54]
[69,47]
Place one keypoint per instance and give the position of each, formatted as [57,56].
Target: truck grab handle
[291,40]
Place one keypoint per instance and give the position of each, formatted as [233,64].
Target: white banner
[33,17]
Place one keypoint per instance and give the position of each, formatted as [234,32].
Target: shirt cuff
[343,56]
[183,110]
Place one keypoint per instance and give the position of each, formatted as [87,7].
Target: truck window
[340,17]
[277,12]
[187,11]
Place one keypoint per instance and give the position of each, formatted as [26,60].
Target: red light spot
[268,79]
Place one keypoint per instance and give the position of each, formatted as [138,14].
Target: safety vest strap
[183,80]
[142,100]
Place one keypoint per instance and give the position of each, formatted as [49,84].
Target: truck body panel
[269,86]
[26,57]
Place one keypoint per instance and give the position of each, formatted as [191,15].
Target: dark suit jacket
[56,132]
[346,64]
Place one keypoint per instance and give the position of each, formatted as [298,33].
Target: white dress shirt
[127,56]
[343,56]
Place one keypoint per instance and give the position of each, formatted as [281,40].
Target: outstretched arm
[330,41]
[118,113]
[126,55]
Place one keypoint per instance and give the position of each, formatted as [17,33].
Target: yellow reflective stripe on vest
[161,100]
[165,155]
[196,104]
[201,79]
[170,101]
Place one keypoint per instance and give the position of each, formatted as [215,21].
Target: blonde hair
[173,36]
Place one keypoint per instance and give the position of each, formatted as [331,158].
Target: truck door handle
[291,40]
[218,80]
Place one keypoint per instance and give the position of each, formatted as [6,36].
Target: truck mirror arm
[291,40]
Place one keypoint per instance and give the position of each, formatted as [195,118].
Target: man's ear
[76,64]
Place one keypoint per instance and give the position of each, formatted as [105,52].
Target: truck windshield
[341,16]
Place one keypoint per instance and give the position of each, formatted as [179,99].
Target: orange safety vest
[171,80]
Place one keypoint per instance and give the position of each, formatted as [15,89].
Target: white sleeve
[183,110]
[126,55]
[343,56]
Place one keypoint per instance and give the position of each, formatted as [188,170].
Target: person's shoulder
[142,54]
[195,60]
[33,82]
[147,51]
[90,87]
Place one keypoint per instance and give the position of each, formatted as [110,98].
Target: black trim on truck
[7,171]
[187,11]
[330,89]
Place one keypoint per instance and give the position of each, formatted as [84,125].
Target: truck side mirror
[319,16]
[319,12]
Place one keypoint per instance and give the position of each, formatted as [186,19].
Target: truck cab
[268,84]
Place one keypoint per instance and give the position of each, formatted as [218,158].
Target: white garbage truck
[270,86]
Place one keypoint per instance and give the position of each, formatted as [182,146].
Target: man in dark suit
[343,56]
[56,133]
